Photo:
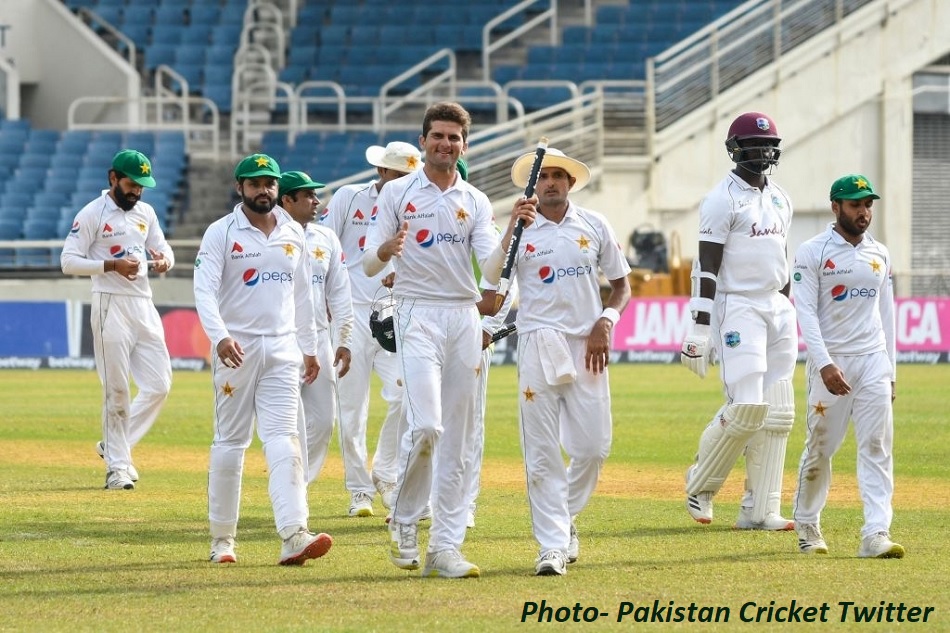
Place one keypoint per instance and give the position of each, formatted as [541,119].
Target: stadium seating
[47,176]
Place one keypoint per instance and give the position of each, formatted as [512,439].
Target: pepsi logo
[251,277]
[839,292]
[372,214]
[117,251]
[75,228]
[362,242]
[546,273]
[425,238]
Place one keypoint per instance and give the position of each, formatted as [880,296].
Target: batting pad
[722,443]
[765,459]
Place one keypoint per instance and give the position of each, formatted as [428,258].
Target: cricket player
[349,214]
[845,304]
[564,333]
[742,312]
[331,302]
[254,298]
[429,224]
[116,239]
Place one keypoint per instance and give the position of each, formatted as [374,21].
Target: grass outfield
[76,557]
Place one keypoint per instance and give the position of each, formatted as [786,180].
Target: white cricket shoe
[699,506]
[119,480]
[101,450]
[880,545]
[404,545]
[551,563]
[773,522]
[387,492]
[361,504]
[574,546]
[222,550]
[303,546]
[448,563]
[810,540]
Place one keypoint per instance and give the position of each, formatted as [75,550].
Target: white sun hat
[397,155]
[521,170]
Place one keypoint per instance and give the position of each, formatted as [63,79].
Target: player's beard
[124,200]
[259,207]
[851,227]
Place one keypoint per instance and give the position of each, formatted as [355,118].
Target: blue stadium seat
[40,229]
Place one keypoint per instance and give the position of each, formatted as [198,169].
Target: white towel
[556,358]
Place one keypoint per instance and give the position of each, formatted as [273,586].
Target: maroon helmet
[752,142]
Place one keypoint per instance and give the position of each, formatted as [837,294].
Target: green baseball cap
[257,165]
[462,167]
[291,181]
[853,187]
[135,165]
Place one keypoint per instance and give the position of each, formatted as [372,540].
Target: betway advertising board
[35,335]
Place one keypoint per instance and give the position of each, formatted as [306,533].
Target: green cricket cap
[257,165]
[852,187]
[135,165]
[291,181]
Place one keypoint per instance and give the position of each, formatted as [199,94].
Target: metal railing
[490,46]
[96,21]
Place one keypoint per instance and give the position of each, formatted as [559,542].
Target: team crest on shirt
[289,250]
[875,266]
[778,202]
[461,215]
[141,227]
[583,243]
[319,253]
[732,339]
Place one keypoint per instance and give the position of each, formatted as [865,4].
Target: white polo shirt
[445,228]
[753,227]
[844,297]
[330,282]
[557,270]
[102,231]
[349,214]
[247,283]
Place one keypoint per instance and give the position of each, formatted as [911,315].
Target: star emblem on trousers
[528,395]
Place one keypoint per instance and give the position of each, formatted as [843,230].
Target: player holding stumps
[564,334]
[111,239]
[845,304]
[253,296]
[742,312]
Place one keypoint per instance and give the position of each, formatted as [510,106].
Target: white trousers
[353,389]
[318,410]
[869,406]
[573,416]
[473,466]
[128,340]
[266,388]
[439,350]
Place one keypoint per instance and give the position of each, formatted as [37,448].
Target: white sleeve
[484,237]
[335,216]
[74,258]
[339,297]
[612,261]
[888,319]
[385,227]
[806,275]
[209,269]
[303,304]
[715,220]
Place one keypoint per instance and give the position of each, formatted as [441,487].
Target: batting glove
[697,350]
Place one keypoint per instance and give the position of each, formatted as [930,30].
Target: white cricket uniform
[127,331]
[349,213]
[255,289]
[331,300]
[438,341]
[558,266]
[752,324]
[845,304]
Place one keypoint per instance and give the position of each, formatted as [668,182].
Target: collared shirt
[844,297]
[558,267]
[330,282]
[248,283]
[752,225]
[102,231]
[349,214]
[445,228]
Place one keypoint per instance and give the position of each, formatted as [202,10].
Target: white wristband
[611,315]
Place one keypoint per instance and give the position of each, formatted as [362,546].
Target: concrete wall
[59,60]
